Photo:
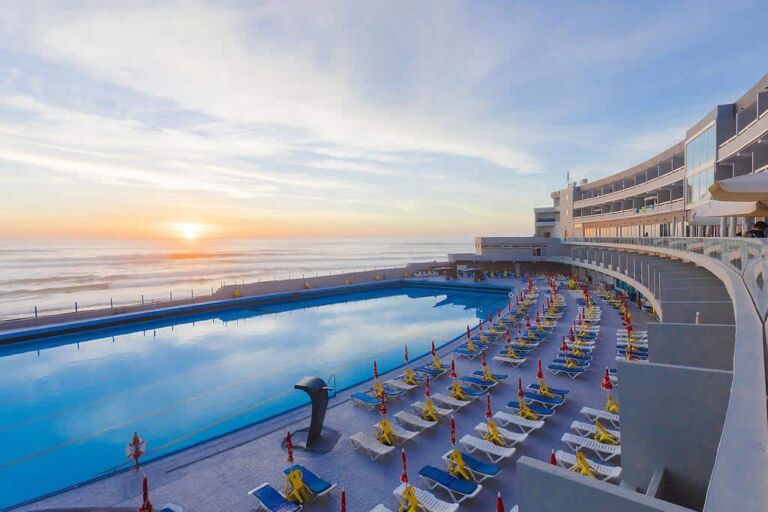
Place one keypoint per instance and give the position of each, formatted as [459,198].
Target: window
[701,150]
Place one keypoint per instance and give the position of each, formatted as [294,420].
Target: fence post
[111,305]
[75,307]
[35,311]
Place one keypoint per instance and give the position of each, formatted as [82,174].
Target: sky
[349,118]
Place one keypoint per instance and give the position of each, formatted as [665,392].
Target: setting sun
[189,230]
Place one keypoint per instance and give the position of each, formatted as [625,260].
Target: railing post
[75,306]
[170,294]
[111,304]
[35,311]
[142,299]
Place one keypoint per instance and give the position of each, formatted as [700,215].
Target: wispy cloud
[449,116]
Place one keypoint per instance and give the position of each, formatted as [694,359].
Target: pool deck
[217,475]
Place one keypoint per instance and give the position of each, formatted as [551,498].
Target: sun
[189,230]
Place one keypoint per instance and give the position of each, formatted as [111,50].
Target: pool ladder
[332,390]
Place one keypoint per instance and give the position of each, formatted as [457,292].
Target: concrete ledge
[543,487]
[700,346]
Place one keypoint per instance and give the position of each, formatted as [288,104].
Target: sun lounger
[496,376]
[314,483]
[601,471]
[511,438]
[470,393]
[458,488]
[588,429]
[541,411]
[509,360]
[603,451]
[599,414]
[428,370]
[494,452]
[479,470]
[429,501]
[579,363]
[560,368]
[401,434]
[380,508]
[474,381]
[401,385]
[268,498]
[463,352]
[366,400]
[170,507]
[440,411]
[450,401]
[523,424]
[547,401]
[535,387]
[586,358]
[391,391]
[372,446]
[407,419]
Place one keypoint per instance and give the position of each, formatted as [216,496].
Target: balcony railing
[748,257]
[664,207]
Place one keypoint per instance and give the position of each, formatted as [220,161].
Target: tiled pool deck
[217,475]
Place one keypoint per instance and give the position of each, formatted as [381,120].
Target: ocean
[55,275]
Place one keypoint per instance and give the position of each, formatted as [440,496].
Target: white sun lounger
[599,414]
[450,401]
[370,444]
[602,472]
[587,429]
[604,451]
[407,419]
[380,508]
[512,438]
[509,360]
[428,500]
[525,425]
[494,452]
[401,435]
[440,411]
[401,384]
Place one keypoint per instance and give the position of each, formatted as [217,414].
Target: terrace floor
[217,475]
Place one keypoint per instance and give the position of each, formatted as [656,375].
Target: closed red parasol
[289,447]
[488,413]
[375,370]
[606,382]
[539,372]
[483,360]
[499,503]
[406,355]
[383,404]
[434,352]
[552,458]
[343,500]
[454,375]
[146,505]
[564,346]
[404,475]
[427,393]
[520,393]
[453,432]
[469,335]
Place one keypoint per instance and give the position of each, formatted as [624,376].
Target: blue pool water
[70,404]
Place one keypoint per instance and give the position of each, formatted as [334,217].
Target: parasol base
[324,444]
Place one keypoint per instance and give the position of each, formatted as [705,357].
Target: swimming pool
[71,403]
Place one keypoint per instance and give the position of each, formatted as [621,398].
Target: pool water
[70,404]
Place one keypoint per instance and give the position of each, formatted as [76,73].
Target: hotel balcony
[656,182]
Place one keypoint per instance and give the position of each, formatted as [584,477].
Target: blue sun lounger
[479,470]
[462,351]
[470,392]
[458,488]
[581,364]
[561,368]
[391,391]
[269,499]
[562,392]
[541,411]
[544,400]
[314,483]
[497,376]
[483,384]
[586,357]
[366,400]
[430,371]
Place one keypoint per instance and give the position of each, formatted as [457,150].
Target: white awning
[729,209]
[750,187]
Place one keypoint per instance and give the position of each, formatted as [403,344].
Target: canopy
[707,212]
[750,187]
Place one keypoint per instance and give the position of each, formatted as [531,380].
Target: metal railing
[747,257]
[177,296]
